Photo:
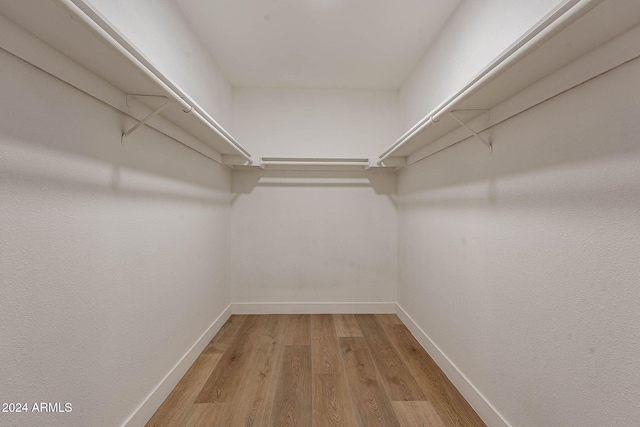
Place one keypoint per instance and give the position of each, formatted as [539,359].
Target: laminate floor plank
[325,353]
[225,335]
[252,403]
[417,414]
[223,383]
[299,329]
[388,319]
[277,329]
[206,415]
[174,407]
[372,405]
[276,326]
[292,402]
[331,401]
[398,379]
[452,408]
[346,325]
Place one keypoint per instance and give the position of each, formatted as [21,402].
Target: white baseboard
[313,307]
[151,404]
[476,399]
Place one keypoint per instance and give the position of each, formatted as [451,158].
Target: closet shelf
[573,29]
[75,29]
[284,163]
[319,163]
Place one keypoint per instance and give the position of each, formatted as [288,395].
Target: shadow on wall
[22,177]
[245,180]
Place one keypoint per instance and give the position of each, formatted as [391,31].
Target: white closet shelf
[573,29]
[317,163]
[292,163]
[75,29]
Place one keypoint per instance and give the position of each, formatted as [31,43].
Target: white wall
[313,237]
[476,33]
[315,122]
[161,32]
[112,257]
[522,265]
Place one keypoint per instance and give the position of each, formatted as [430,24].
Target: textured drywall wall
[112,258]
[310,237]
[313,237]
[476,33]
[315,123]
[162,33]
[522,265]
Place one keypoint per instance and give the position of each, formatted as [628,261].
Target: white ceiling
[317,43]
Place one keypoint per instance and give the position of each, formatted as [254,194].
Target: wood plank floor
[317,370]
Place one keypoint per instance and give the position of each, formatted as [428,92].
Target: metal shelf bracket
[476,134]
[149,116]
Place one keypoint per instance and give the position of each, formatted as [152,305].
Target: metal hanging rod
[312,163]
[556,20]
[88,15]
[281,161]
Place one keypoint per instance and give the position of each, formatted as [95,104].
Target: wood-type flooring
[314,370]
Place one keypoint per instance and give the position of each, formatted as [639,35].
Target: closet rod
[103,29]
[314,162]
[310,163]
[557,19]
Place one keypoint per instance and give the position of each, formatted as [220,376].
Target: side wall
[522,265]
[112,257]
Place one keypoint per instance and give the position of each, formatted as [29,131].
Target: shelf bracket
[476,134]
[146,119]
